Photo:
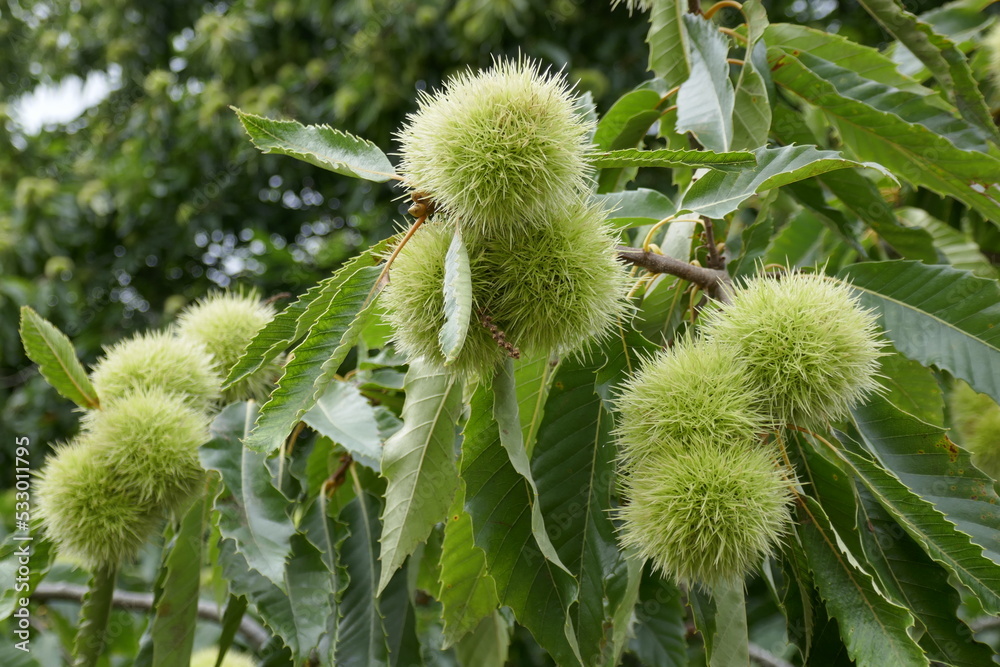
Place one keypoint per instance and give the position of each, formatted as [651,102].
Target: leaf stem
[735,35]
[383,277]
[722,4]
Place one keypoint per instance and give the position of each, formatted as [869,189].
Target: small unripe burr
[90,512]
[552,288]
[805,341]
[414,301]
[157,360]
[500,150]
[709,514]
[149,439]
[692,392]
[224,323]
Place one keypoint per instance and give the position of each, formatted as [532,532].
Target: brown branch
[715,282]
[715,260]
[253,631]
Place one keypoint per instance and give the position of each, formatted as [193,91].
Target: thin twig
[715,282]
[715,260]
[253,631]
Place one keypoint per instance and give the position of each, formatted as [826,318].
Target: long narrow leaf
[664,157]
[53,352]
[500,499]
[293,322]
[457,298]
[716,194]
[874,629]
[418,463]
[936,315]
[315,361]
[318,145]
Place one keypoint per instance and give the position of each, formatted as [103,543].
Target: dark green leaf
[499,498]
[173,627]
[251,511]
[927,526]
[633,157]
[874,629]
[936,315]
[318,145]
[923,458]
[914,580]
[715,194]
[53,352]
[418,463]
[857,194]
[573,468]
[315,360]
[896,129]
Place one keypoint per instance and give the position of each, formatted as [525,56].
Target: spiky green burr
[90,512]
[500,150]
[149,439]
[224,323]
[157,360]
[553,288]
[805,341]
[414,301]
[692,392]
[709,514]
